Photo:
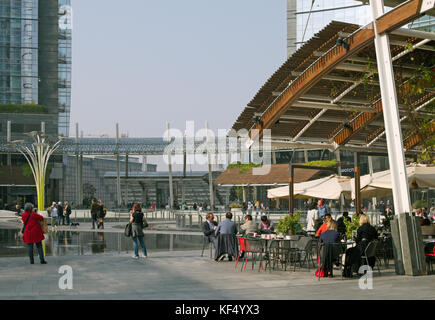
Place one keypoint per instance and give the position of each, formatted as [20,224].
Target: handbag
[44,226]
[127,230]
[144,224]
[21,232]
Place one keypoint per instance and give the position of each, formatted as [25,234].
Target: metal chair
[370,252]
[429,252]
[273,256]
[305,247]
[328,254]
[241,249]
[207,241]
[254,247]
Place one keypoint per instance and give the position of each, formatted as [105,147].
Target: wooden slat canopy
[329,94]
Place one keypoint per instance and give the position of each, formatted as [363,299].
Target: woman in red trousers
[33,232]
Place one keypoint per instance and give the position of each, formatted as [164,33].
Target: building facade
[94,185]
[35,66]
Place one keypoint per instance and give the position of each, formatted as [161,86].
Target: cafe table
[277,249]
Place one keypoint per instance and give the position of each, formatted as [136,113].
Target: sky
[144,62]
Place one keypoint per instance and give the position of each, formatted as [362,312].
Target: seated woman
[330,235]
[330,253]
[266,226]
[365,234]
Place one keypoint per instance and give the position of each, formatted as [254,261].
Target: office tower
[35,66]
[307,17]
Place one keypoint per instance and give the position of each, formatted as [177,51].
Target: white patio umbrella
[379,184]
[330,187]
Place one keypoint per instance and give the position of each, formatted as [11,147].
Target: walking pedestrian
[33,232]
[101,215]
[94,213]
[60,213]
[136,220]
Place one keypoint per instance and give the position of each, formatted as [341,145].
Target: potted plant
[351,226]
[290,224]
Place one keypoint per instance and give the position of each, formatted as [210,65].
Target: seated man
[249,226]
[226,239]
[209,227]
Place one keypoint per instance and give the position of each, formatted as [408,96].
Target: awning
[379,184]
[330,187]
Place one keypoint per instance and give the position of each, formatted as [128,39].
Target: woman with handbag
[137,224]
[32,232]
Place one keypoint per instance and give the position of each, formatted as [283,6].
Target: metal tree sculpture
[37,155]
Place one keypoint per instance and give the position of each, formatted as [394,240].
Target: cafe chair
[329,254]
[241,249]
[255,248]
[207,241]
[370,252]
[226,244]
[430,255]
[273,256]
[304,247]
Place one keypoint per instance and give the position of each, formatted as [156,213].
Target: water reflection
[63,243]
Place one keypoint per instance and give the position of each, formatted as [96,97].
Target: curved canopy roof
[327,94]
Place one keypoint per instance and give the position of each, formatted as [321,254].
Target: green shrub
[235,205]
[243,167]
[351,226]
[321,163]
[23,108]
[290,222]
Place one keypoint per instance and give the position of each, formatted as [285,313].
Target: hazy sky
[144,62]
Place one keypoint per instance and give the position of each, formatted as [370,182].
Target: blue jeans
[40,252]
[142,244]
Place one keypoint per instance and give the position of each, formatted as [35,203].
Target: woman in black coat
[365,234]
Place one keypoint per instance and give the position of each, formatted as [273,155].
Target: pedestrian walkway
[186,275]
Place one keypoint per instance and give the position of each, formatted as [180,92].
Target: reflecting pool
[62,243]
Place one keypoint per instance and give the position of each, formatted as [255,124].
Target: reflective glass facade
[64,66]
[18,51]
[325,11]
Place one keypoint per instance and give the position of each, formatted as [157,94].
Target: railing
[194,218]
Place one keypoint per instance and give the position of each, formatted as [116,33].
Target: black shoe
[32,262]
[44,262]
[230,258]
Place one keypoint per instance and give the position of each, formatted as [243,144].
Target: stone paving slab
[185,275]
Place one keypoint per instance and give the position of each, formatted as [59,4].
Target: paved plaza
[187,275]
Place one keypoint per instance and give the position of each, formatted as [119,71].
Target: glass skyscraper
[307,17]
[35,62]
[64,65]
[18,51]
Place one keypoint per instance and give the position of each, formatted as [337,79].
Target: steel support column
[393,133]
[210,173]
[118,169]
[171,190]
[126,180]
[357,178]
